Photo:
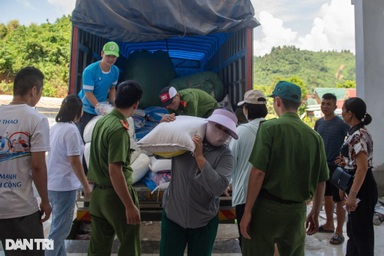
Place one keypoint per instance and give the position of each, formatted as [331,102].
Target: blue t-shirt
[97,81]
[333,133]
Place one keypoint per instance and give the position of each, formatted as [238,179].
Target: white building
[369,36]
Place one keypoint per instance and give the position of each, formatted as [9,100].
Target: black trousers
[360,222]
[239,215]
[26,227]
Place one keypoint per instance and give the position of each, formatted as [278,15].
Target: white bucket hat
[225,118]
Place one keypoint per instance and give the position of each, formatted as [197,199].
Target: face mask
[215,136]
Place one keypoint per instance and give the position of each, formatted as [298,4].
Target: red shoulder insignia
[183,103]
[125,124]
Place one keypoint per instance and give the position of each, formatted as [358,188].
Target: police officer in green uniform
[190,102]
[114,205]
[289,168]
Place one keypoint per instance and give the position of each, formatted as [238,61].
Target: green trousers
[272,223]
[175,238]
[108,218]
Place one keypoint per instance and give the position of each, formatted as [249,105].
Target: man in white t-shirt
[25,133]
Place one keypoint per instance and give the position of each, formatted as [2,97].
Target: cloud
[26,4]
[64,6]
[331,27]
[273,34]
[297,15]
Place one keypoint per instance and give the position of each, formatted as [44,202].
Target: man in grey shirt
[191,202]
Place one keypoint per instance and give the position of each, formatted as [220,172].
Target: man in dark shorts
[333,131]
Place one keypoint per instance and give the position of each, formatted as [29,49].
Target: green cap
[111,48]
[288,91]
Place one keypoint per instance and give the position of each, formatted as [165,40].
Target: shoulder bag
[342,179]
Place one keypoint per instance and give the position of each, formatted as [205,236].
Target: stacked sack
[139,161]
[159,174]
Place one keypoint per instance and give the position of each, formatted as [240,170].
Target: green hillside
[315,69]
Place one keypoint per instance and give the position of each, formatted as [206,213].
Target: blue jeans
[63,205]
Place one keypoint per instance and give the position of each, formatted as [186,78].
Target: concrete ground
[226,243]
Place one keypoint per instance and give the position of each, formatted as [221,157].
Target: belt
[102,186]
[266,195]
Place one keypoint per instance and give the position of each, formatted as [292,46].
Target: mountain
[316,69]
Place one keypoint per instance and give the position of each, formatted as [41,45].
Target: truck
[198,36]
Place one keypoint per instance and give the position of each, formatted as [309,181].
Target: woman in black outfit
[356,157]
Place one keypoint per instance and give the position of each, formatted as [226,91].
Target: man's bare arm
[112,94]
[91,98]
[39,176]
[312,222]
[256,179]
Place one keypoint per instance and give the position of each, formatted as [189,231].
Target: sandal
[323,230]
[336,239]
[378,218]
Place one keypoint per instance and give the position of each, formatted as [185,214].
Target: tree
[304,92]
[269,89]
[45,46]
[347,84]
[3,31]
[13,24]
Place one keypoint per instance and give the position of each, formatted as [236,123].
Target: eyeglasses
[222,128]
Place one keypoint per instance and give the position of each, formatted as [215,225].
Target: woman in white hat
[191,202]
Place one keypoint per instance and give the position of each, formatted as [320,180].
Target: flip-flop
[336,239]
[322,230]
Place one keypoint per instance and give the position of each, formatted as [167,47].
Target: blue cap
[288,91]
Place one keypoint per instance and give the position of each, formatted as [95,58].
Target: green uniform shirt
[110,144]
[195,102]
[292,155]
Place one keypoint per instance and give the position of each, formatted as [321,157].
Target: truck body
[199,36]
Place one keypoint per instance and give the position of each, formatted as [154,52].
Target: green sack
[206,81]
[152,71]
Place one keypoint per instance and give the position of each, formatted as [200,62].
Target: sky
[307,24]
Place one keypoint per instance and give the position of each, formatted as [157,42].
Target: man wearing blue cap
[99,80]
[289,168]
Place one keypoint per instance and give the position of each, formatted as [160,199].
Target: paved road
[44,103]
[47,106]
